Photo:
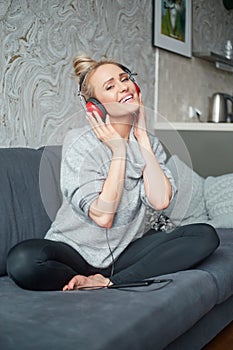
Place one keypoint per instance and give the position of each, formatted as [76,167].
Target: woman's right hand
[105,132]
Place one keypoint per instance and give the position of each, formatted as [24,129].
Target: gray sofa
[186,314]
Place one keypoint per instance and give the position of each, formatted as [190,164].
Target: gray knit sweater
[84,168]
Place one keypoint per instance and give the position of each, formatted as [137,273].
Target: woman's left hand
[140,121]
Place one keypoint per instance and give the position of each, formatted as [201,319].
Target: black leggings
[40,264]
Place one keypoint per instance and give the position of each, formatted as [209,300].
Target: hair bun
[82,64]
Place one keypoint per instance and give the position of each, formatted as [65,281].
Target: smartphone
[138,283]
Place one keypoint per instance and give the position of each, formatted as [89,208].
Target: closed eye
[109,87]
[124,78]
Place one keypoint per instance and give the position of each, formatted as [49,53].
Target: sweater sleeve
[161,158]
[82,174]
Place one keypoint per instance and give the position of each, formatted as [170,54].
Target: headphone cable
[165,282]
[112,256]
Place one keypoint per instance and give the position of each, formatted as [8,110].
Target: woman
[111,172]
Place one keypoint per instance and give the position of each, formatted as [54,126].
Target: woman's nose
[122,86]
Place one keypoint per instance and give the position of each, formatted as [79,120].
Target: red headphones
[93,105]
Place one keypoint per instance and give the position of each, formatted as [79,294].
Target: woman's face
[114,89]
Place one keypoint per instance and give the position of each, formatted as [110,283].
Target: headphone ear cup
[137,88]
[128,71]
[93,105]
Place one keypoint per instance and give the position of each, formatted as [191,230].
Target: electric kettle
[221,108]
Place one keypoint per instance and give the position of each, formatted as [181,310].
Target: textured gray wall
[38,40]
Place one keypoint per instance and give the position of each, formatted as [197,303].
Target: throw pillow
[218,192]
[188,204]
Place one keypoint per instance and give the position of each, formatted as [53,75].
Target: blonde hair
[84,67]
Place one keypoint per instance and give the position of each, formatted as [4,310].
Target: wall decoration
[172,25]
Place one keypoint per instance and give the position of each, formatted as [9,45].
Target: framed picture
[172,24]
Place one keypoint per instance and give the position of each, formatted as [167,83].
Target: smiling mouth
[126,99]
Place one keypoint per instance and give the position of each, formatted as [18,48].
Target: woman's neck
[122,126]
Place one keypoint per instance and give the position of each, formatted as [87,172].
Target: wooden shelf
[221,62]
[194,126]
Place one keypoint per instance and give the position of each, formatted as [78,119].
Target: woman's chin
[124,109]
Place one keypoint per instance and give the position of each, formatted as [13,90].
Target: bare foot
[90,282]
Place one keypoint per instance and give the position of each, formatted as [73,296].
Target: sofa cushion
[218,193]
[220,265]
[49,179]
[22,213]
[105,319]
[188,205]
